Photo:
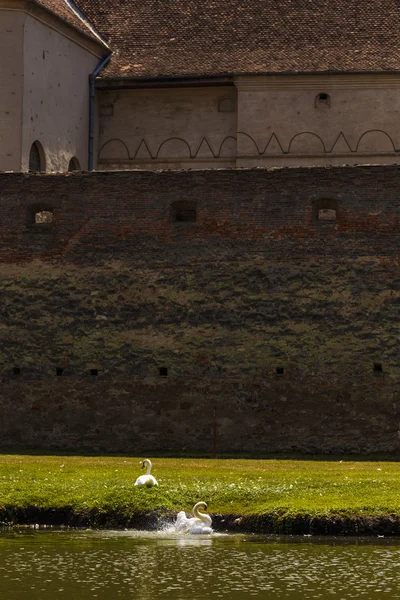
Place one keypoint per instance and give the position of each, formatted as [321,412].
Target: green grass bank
[333,496]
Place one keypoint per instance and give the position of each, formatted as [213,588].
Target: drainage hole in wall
[163,371]
[378,370]
[280,370]
[16,371]
[94,372]
[59,371]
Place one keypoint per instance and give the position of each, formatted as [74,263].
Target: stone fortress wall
[157,307]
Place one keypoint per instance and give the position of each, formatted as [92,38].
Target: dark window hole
[94,372]
[59,371]
[280,371]
[163,371]
[378,368]
[186,216]
[322,100]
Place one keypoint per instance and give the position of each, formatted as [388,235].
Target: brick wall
[288,326]
[130,212]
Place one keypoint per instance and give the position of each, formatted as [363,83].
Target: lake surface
[108,565]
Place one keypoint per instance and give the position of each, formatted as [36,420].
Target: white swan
[200,523]
[147,480]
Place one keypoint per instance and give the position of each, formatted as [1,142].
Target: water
[108,565]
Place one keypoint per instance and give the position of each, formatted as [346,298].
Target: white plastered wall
[281,123]
[168,128]
[56,95]
[11,82]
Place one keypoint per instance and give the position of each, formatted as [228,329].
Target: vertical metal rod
[92,80]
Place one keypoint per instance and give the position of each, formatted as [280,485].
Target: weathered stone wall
[288,326]
[253,210]
[283,121]
[251,121]
[11,85]
[57,66]
[167,128]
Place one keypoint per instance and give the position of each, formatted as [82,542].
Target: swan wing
[198,526]
[147,480]
[141,480]
[182,522]
[181,516]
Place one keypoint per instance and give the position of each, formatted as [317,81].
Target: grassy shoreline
[332,496]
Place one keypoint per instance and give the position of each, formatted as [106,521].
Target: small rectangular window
[327,214]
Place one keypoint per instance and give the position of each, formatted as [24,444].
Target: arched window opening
[43,216]
[74,164]
[322,100]
[326,210]
[184,212]
[36,158]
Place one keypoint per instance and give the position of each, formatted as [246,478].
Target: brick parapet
[130,212]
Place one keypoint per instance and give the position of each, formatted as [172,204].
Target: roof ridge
[63,10]
[86,21]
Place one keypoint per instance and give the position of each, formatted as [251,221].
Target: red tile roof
[202,37]
[64,11]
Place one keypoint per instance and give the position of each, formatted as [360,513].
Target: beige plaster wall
[168,128]
[11,69]
[281,123]
[56,95]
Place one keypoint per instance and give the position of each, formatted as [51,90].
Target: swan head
[146,464]
[200,504]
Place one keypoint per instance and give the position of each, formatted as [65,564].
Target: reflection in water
[83,565]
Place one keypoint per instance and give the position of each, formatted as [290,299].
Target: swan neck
[198,514]
[148,466]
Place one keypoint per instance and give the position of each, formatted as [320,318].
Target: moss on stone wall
[283,350]
[249,316]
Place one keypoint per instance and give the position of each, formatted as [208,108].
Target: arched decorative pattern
[302,143]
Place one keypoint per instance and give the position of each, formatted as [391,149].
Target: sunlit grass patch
[87,487]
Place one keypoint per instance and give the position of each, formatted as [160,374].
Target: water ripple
[85,565]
